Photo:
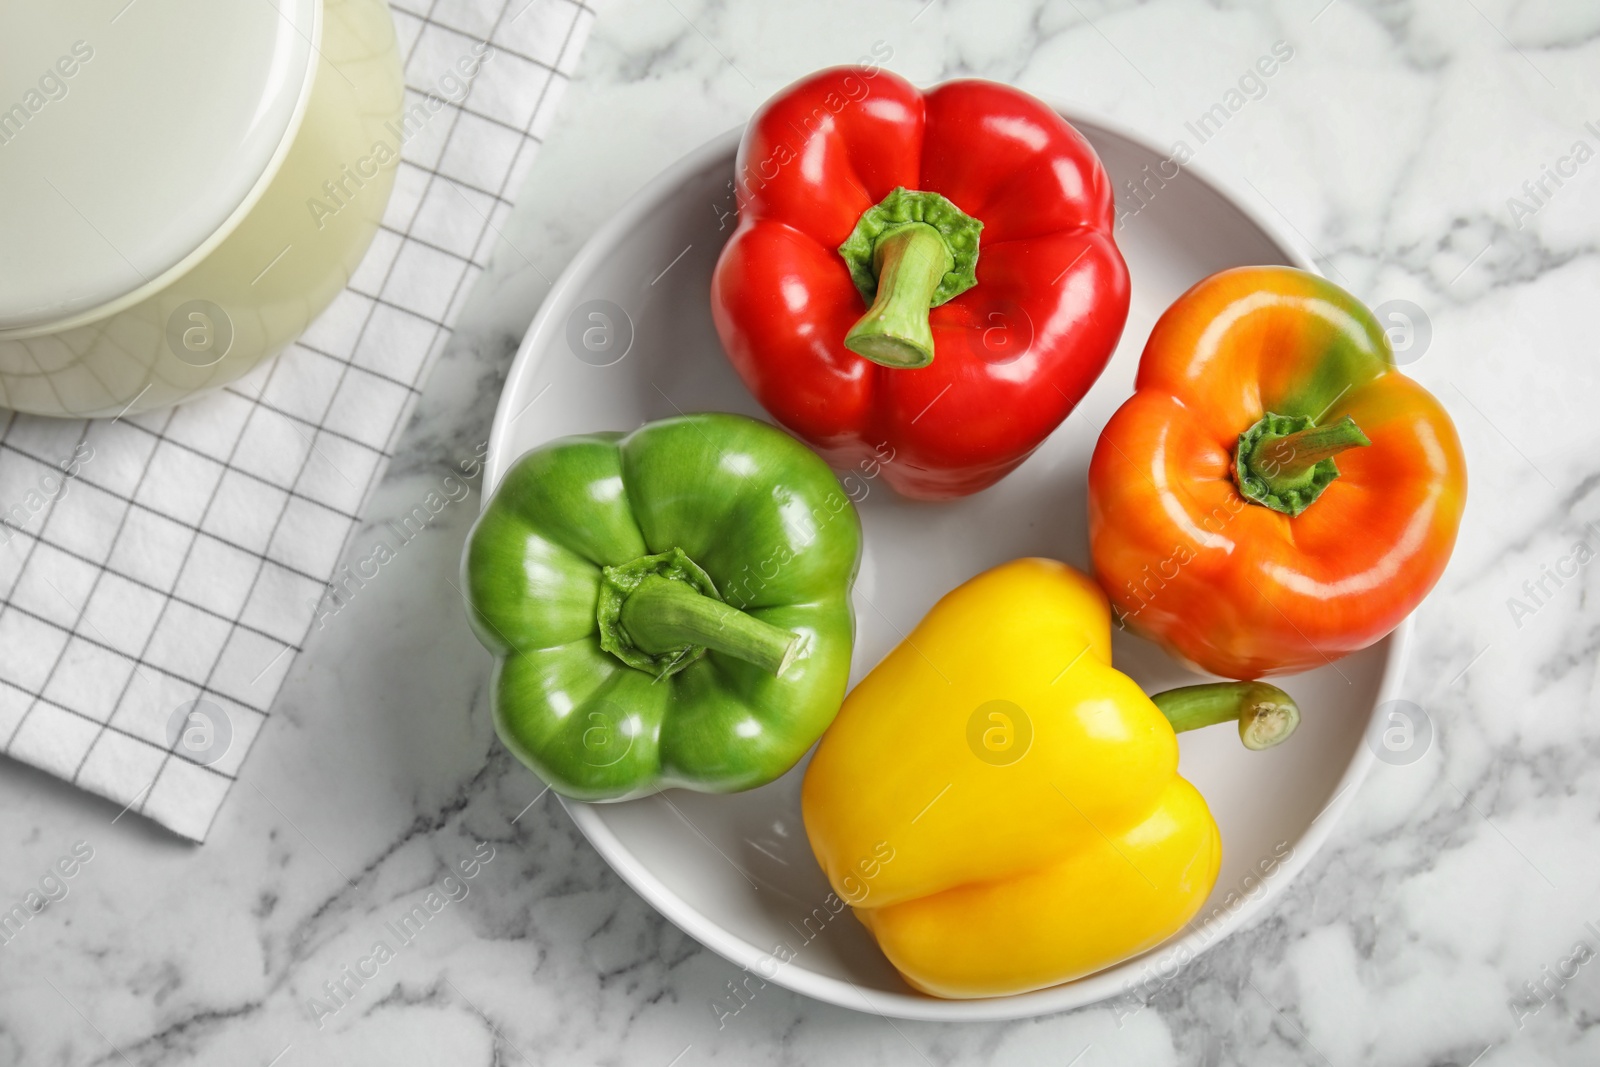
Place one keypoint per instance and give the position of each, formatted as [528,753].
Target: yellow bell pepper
[1029,792]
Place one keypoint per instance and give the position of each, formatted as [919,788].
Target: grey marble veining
[1446,922]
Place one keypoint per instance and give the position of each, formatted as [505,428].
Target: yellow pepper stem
[1266,714]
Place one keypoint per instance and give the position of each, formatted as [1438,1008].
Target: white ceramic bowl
[184,204]
[626,336]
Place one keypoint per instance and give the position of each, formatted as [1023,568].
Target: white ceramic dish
[184,187]
[737,873]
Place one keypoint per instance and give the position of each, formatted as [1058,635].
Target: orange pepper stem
[1266,714]
[1284,462]
[911,262]
[1290,457]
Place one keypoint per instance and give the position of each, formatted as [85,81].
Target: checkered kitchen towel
[159,571]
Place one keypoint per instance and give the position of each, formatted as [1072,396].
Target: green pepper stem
[1266,714]
[662,616]
[911,261]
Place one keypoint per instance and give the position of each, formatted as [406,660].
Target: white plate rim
[1104,985]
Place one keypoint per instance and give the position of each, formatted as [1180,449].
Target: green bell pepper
[669,607]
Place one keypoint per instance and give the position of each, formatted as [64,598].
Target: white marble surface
[1392,142]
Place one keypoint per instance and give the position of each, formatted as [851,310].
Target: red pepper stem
[662,616]
[910,261]
[1284,460]
[1266,714]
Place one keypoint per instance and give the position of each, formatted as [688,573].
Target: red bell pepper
[863,204]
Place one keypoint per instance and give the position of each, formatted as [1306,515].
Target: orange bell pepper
[1220,523]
